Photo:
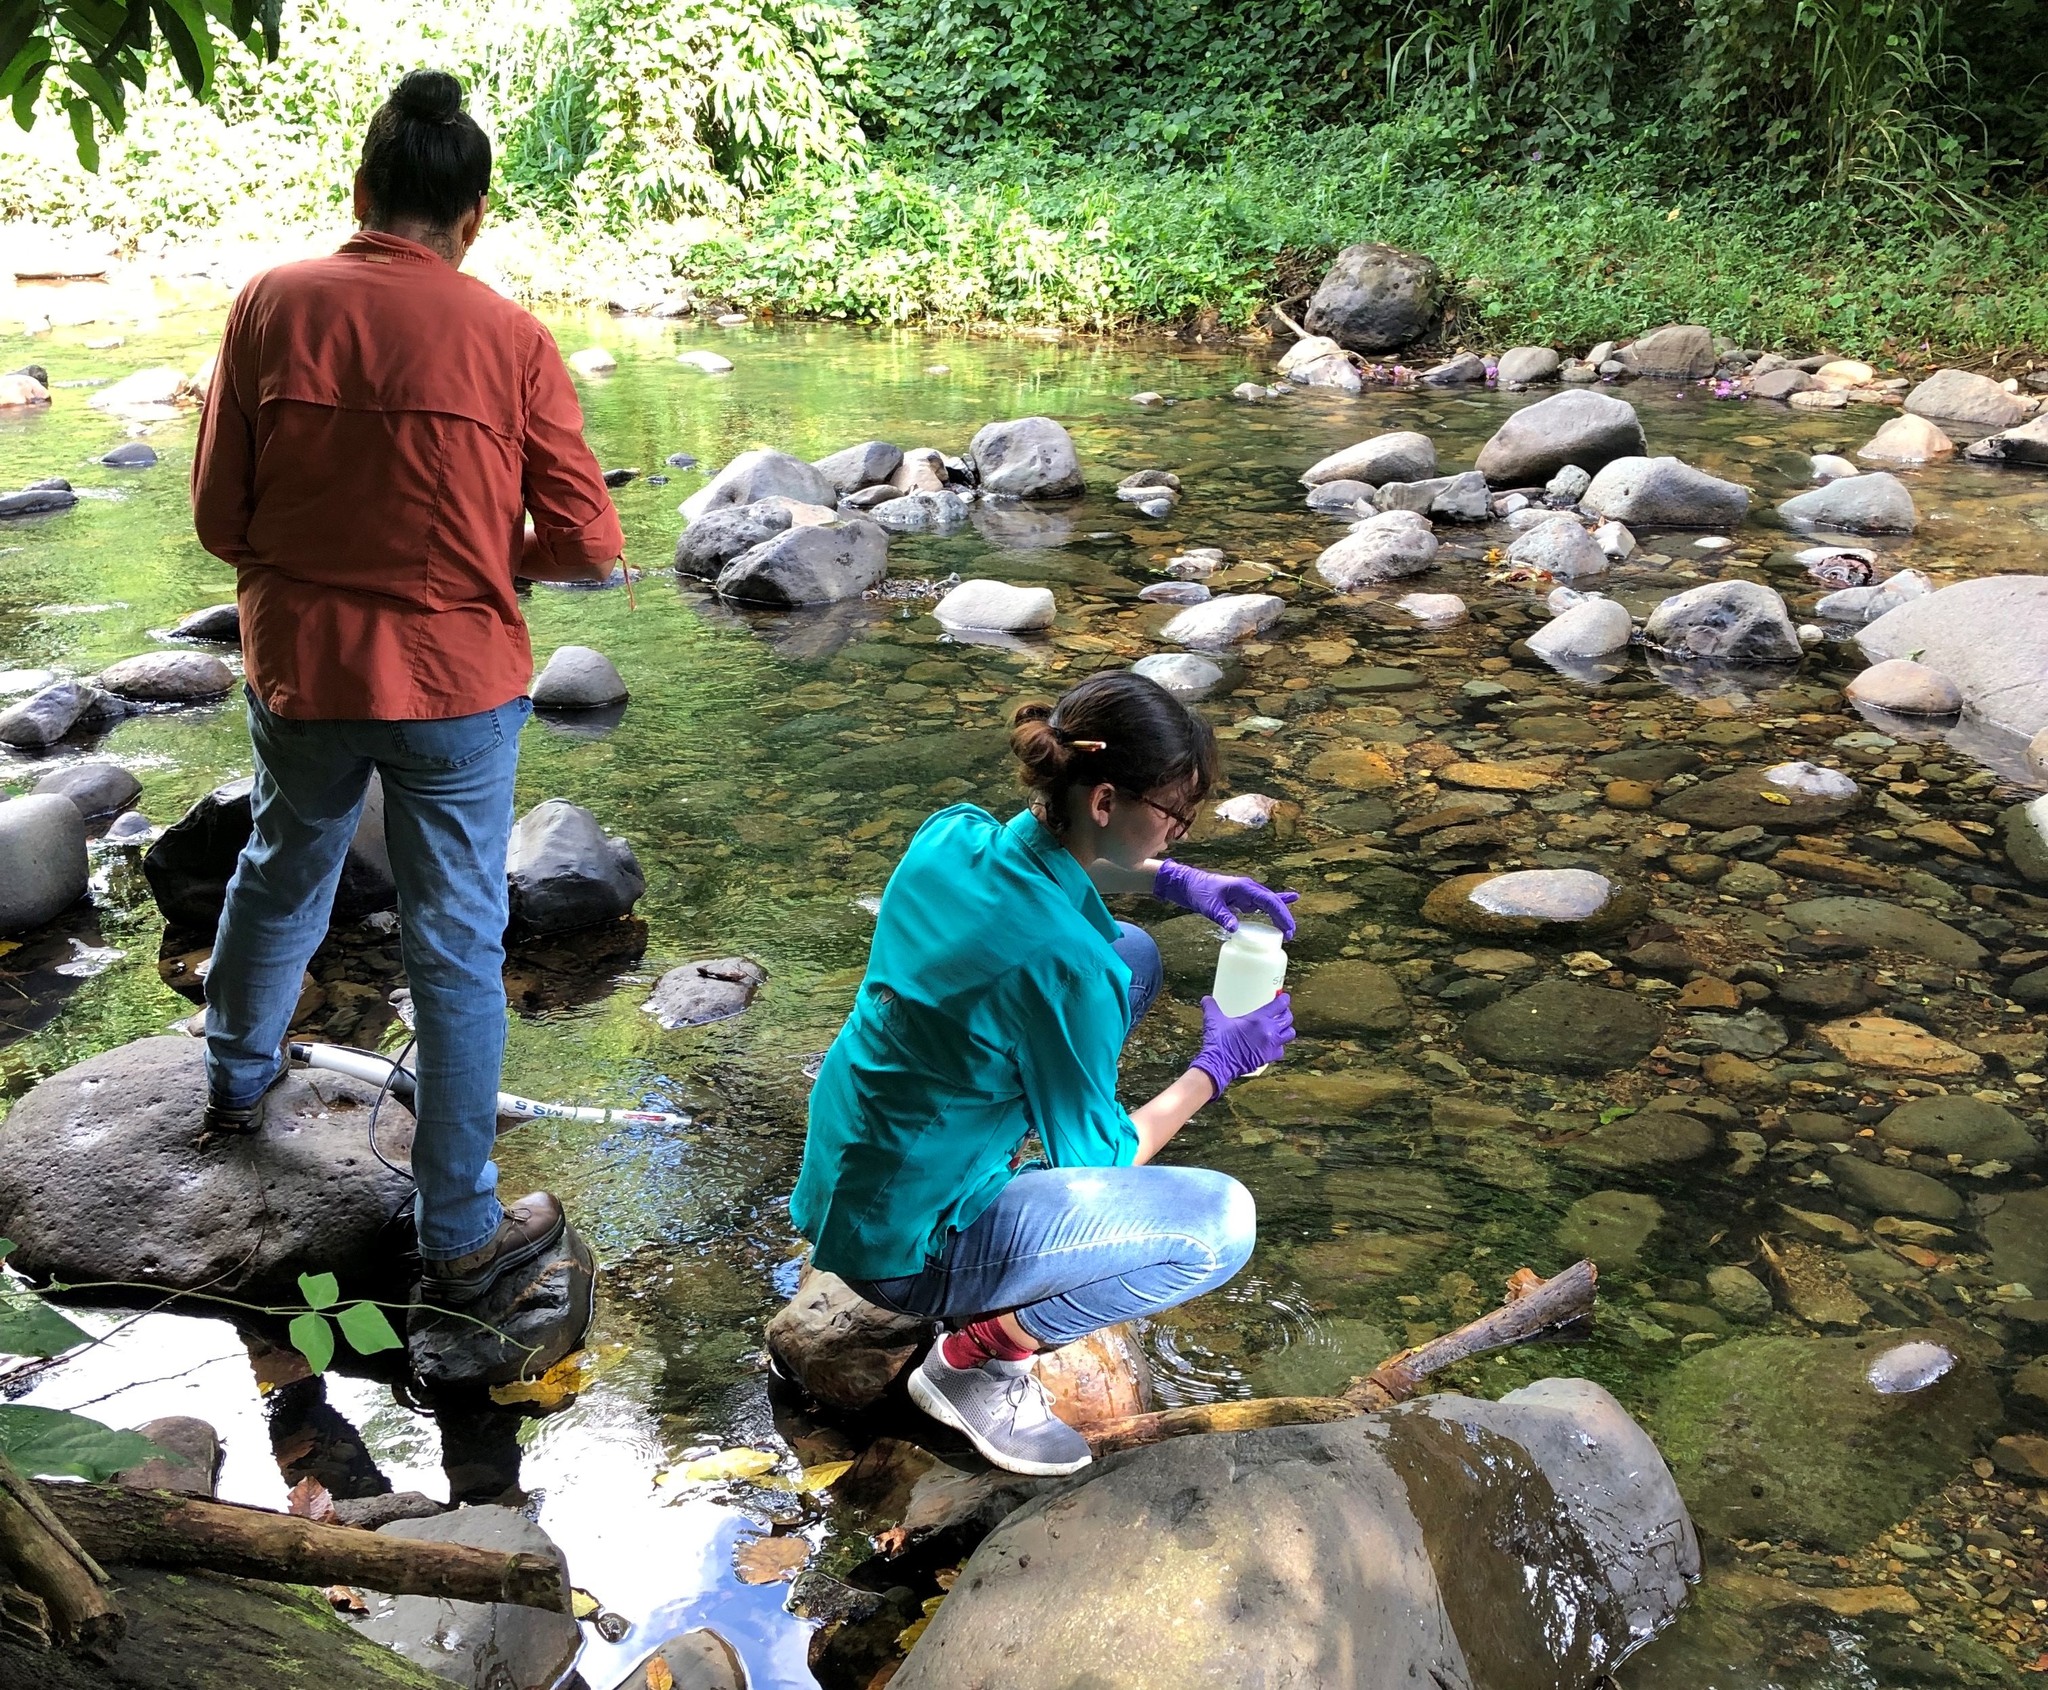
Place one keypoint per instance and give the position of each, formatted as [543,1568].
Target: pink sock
[982,1340]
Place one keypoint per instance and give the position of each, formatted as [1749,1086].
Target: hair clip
[1089,744]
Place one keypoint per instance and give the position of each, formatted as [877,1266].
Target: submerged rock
[997,607]
[1888,927]
[1375,299]
[563,873]
[43,867]
[2023,831]
[1665,492]
[1341,498]
[1029,458]
[699,992]
[97,789]
[1733,621]
[99,1181]
[1564,1026]
[1449,1541]
[1787,1439]
[1749,798]
[1578,427]
[1959,1125]
[1985,635]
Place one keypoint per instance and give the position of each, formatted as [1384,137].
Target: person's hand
[1221,896]
[1236,1045]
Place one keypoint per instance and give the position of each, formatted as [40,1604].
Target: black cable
[384,1091]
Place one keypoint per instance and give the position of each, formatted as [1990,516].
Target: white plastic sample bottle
[1250,968]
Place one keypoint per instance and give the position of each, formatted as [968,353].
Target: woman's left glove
[1222,896]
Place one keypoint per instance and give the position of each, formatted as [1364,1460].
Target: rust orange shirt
[378,428]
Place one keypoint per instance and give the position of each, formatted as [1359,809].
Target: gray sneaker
[1004,1411]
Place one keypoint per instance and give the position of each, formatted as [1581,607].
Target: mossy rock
[196,1631]
[1786,1438]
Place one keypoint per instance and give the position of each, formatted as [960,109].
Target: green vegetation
[1862,174]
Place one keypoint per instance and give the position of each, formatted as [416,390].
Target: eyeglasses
[1182,820]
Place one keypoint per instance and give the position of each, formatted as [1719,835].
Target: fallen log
[70,1587]
[169,1529]
[1560,1307]
[1535,1309]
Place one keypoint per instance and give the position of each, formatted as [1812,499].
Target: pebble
[996,607]
[711,363]
[1174,592]
[1909,1367]
[1249,809]
[1180,673]
[1811,780]
[1445,610]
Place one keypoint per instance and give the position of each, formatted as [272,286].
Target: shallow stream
[769,770]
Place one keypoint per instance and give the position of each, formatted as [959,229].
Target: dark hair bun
[428,96]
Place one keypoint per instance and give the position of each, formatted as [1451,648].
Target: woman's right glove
[1236,1045]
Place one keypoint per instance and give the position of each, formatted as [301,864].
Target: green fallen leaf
[365,1327]
[313,1338]
[30,1327]
[47,1443]
[1616,1112]
[321,1290]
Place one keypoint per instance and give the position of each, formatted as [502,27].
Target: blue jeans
[447,821]
[1068,1251]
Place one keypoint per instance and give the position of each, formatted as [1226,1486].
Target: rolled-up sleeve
[574,520]
[1070,1033]
[224,462]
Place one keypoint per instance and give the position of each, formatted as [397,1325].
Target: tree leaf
[554,1387]
[770,1560]
[313,1338]
[47,1443]
[34,55]
[729,1464]
[366,1328]
[81,132]
[191,42]
[25,96]
[321,1290]
[104,94]
[30,1327]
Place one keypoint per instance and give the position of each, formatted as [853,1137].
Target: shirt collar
[365,242]
[1042,844]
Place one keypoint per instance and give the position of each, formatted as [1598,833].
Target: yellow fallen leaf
[658,1675]
[554,1387]
[770,1560]
[825,1473]
[1774,798]
[582,1603]
[7,945]
[909,1635]
[728,1464]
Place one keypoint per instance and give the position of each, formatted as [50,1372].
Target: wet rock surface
[532,1317]
[563,872]
[43,866]
[1408,1547]
[99,1179]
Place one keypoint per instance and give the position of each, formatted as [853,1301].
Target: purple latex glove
[1236,1045]
[1221,896]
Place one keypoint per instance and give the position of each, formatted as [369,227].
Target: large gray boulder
[1578,427]
[99,1180]
[1681,350]
[188,868]
[1665,492]
[1523,366]
[2025,446]
[860,466]
[1560,548]
[841,1348]
[527,1321]
[43,867]
[761,474]
[1224,620]
[1732,621]
[1028,458]
[717,537]
[1382,548]
[996,607]
[1876,503]
[922,512]
[1375,299]
[1985,635]
[1961,396]
[479,1645]
[563,872]
[217,624]
[812,565]
[98,789]
[578,678]
[168,677]
[1451,1542]
[1403,455]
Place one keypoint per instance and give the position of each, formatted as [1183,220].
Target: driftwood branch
[169,1529]
[1300,333]
[52,1571]
[1535,1309]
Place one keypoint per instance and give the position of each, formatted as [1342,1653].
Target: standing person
[386,446]
[998,995]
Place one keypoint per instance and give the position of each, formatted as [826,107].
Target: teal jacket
[993,1005]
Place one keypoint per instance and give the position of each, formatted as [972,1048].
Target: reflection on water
[769,770]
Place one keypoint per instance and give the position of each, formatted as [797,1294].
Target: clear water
[768,772]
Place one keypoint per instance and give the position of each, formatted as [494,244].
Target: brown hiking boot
[531,1226]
